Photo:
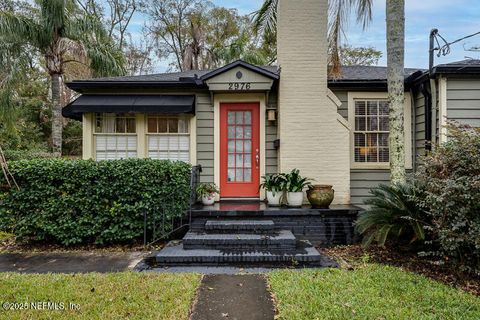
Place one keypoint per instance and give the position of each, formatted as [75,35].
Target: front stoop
[240,243]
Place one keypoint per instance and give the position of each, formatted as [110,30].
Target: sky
[453,18]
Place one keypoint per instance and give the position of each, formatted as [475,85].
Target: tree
[120,14]
[396,91]
[265,20]
[360,56]
[200,35]
[61,34]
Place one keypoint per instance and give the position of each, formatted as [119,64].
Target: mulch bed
[353,256]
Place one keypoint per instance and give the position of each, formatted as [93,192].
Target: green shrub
[392,214]
[83,201]
[450,177]
[15,155]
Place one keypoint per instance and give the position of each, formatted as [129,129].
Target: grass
[370,292]
[124,295]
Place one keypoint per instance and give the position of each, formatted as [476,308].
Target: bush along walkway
[233,297]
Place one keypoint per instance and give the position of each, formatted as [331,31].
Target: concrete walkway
[70,262]
[233,297]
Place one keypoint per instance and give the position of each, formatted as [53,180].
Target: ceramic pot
[320,196]
[274,199]
[208,200]
[295,199]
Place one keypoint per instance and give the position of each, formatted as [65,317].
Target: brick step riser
[235,231]
[241,247]
[236,259]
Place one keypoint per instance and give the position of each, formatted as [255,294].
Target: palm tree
[265,20]
[61,34]
[395,79]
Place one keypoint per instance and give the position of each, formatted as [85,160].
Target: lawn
[124,295]
[369,292]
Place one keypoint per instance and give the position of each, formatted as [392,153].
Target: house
[242,121]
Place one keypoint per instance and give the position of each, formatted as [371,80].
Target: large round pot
[295,199]
[273,199]
[320,196]
[208,200]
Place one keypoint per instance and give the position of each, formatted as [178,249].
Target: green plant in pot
[207,192]
[273,185]
[294,185]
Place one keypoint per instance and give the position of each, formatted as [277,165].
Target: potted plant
[273,185]
[294,186]
[207,191]
[320,195]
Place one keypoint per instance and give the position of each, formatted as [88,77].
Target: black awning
[163,104]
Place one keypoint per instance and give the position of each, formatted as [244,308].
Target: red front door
[239,149]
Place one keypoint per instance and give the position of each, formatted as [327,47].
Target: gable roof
[272,74]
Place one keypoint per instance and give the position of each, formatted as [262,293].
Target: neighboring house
[242,121]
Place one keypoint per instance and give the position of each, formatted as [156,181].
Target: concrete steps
[282,240]
[178,255]
[239,242]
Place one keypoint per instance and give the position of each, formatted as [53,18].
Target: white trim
[142,143]
[87,136]
[232,98]
[442,110]
[407,124]
[193,140]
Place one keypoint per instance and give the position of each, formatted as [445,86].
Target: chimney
[314,137]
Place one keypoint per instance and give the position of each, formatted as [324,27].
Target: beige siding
[419,125]
[463,101]
[362,181]
[204,114]
[342,95]
[270,137]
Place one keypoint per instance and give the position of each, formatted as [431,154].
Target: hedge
[84,201]
[450,183]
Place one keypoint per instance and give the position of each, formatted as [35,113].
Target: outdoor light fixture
[271,115]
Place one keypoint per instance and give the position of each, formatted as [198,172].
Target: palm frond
[18,28]
[106,61]
[265,19]
[392,213]
[53,15]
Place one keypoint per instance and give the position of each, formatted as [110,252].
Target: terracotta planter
[274,199]
[295,199]
[208,200]
[320,196]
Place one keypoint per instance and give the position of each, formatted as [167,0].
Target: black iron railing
[163,222]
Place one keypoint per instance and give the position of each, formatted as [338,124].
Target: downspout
[432,96]
[414,129]
[428,116]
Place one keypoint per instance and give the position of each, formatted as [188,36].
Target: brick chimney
[314,137]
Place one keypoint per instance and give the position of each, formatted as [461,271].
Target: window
[115,136]
[168,137]
[371,131]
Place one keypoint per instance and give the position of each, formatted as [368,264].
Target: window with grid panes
[371,131]
[240,146]
[168,137]
[115,136]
